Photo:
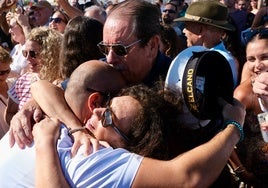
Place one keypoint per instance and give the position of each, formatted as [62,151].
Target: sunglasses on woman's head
[118,49]
[31,53]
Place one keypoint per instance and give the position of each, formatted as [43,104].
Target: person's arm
[23,21]
[200,166]
[69,9]
[45,137]
[20,131]
[51,100]
[257,21]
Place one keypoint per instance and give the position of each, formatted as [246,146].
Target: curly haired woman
[42,50]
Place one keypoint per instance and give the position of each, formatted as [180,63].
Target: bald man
[89,77]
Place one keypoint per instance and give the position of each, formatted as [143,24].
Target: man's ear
[152,47]
[94,101]
[154,43]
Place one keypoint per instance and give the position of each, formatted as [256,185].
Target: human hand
[22,19]
[9,16]
[84,138]
[260,84]
[20,131]
[235,112]
[260,88]
[46,131]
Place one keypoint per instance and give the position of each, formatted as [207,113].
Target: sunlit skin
[169,17]
[192,33]
[125,109]
[257,62]
[58,26]
[16,31]
[34,63]
[138,62]
[257,56]
[40,16]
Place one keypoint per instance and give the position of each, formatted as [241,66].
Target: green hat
[208,12]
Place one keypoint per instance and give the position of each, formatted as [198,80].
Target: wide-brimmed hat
[208,12]
[42,4]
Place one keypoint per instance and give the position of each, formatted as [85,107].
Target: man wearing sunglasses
[132,49]
[131,37]
[168,15]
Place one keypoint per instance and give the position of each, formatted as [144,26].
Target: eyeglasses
[5,72]
[249,34]
[170,11]
[108,121]
[31,53]
[119,49]
[56,20]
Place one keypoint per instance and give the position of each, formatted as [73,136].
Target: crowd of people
[94,94]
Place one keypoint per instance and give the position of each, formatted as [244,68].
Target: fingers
[105,144]
[75,148]
[21,138]
[38,115]
[88,148]
[90,144]
[11,138]
[95,144]
[20,130]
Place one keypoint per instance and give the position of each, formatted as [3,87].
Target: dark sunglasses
[170,11]
[31,53]
[5,72]
[107,120]
[119,49]
[249,34]
[56,20]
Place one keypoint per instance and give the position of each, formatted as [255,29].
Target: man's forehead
[117,30]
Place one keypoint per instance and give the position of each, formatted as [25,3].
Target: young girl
[253,150]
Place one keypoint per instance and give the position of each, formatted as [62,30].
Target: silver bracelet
[71,131]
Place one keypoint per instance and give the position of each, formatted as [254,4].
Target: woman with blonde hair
[42,50]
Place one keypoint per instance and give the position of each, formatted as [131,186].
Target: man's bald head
[91,76]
